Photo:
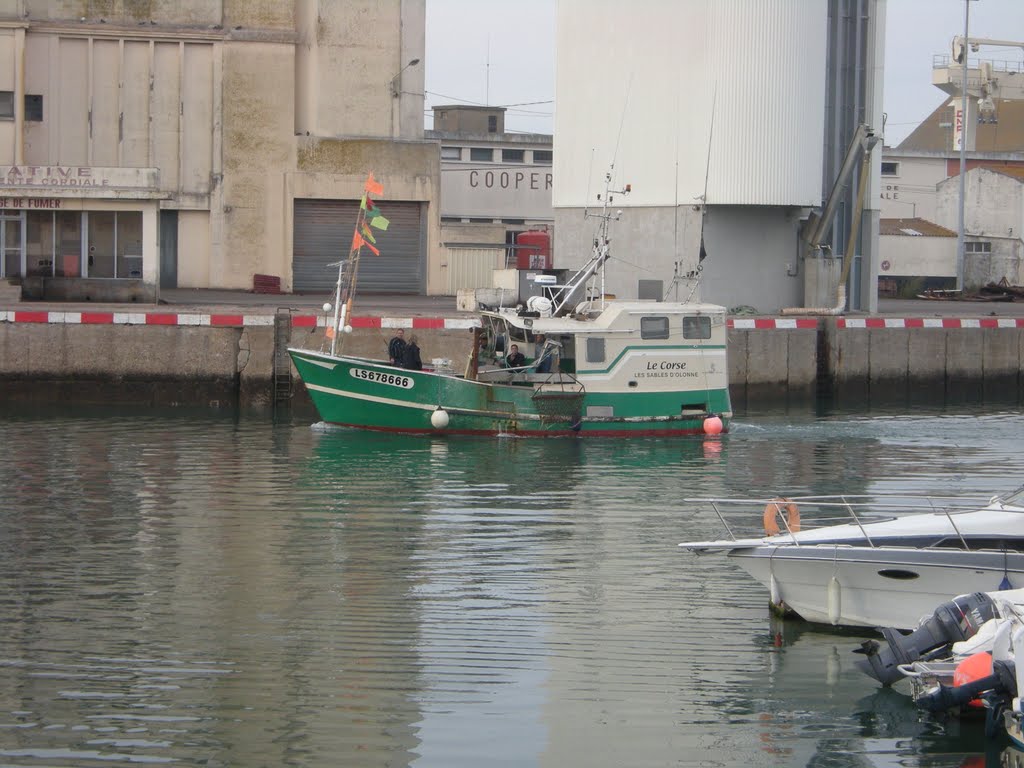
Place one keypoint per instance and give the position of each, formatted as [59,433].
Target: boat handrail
[860,510]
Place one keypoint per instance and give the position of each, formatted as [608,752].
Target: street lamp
[396,85]
[964,48]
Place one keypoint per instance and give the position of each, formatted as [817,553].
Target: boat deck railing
[748,518]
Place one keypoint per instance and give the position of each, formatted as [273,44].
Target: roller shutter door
[323,235]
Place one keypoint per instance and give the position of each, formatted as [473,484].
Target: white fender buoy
[347,329]
[439,419]
[712,425]
[327,307]
[834,600]
[773,591]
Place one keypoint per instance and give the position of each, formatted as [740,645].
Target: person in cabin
[515,358]
[541,357]
[396,347]
[411,355]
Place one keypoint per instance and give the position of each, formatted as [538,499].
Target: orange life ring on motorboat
[775,509]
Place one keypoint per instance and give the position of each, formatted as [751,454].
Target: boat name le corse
[381,377]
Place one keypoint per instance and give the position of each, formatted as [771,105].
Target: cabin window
[6,105]
[595,350]
[697,327]
[653,327]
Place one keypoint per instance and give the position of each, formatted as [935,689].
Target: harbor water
[220,589]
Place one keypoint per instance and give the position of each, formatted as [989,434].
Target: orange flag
[372,187]
[357,241]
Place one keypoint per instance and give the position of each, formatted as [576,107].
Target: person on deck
[541,357]
[396,347]
[411,355]
[515,358]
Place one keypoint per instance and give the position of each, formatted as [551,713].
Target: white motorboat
[872,561]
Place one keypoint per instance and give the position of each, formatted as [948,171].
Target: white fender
[834,600]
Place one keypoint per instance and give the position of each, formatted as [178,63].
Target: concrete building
[494,186]
[202,144]
[917,255]
[920,177]
[993,222]
[727,117]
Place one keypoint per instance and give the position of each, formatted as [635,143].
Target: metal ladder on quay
[282,374]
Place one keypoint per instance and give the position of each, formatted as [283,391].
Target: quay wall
[190,356]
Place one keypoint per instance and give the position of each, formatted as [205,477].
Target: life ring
[776,508]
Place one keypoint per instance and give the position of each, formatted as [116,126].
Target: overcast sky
[501,52]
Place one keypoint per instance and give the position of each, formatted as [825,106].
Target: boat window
[1016,498]
[697,327]
[653,327]
[595,350]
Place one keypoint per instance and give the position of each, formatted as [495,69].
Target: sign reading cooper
[510,179]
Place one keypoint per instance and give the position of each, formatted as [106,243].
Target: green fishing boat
[599,368]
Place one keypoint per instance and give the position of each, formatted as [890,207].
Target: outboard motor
[1000,686]
[951,623]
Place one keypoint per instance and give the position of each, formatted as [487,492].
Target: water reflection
[208,588]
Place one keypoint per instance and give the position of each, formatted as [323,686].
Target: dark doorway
[168,249]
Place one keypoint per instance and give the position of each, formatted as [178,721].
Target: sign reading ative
[76,177]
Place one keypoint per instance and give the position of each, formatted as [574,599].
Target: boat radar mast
[601,250]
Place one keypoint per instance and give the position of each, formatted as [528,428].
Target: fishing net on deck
[559,407]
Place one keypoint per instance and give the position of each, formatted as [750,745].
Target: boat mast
[601,250]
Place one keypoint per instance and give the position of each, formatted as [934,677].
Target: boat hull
[368,394]
[874,586]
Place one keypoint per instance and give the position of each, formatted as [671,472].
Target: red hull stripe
[532,433]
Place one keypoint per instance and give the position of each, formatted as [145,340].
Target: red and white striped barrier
[428,323]
[223,320]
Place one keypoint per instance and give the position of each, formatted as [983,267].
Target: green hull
[369,394]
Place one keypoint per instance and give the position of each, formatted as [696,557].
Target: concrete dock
[203,345]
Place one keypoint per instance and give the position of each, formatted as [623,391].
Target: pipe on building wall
[19,96]
[851,244]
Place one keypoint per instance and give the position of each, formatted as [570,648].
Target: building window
[653,327]
[513,156]
[33,106]
[890,168]
[542,156]
[451,220]
[697,327]
[480,221]
[451,153]
[514,221]
[979,247]
[492,124]
[481,155]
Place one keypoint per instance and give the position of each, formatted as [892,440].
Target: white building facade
[714,111]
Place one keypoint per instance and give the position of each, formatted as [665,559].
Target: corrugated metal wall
[472,267]
[323,234]
[740,79]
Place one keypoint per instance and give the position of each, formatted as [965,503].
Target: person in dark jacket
[396,348]
[411,355]
[515,359]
